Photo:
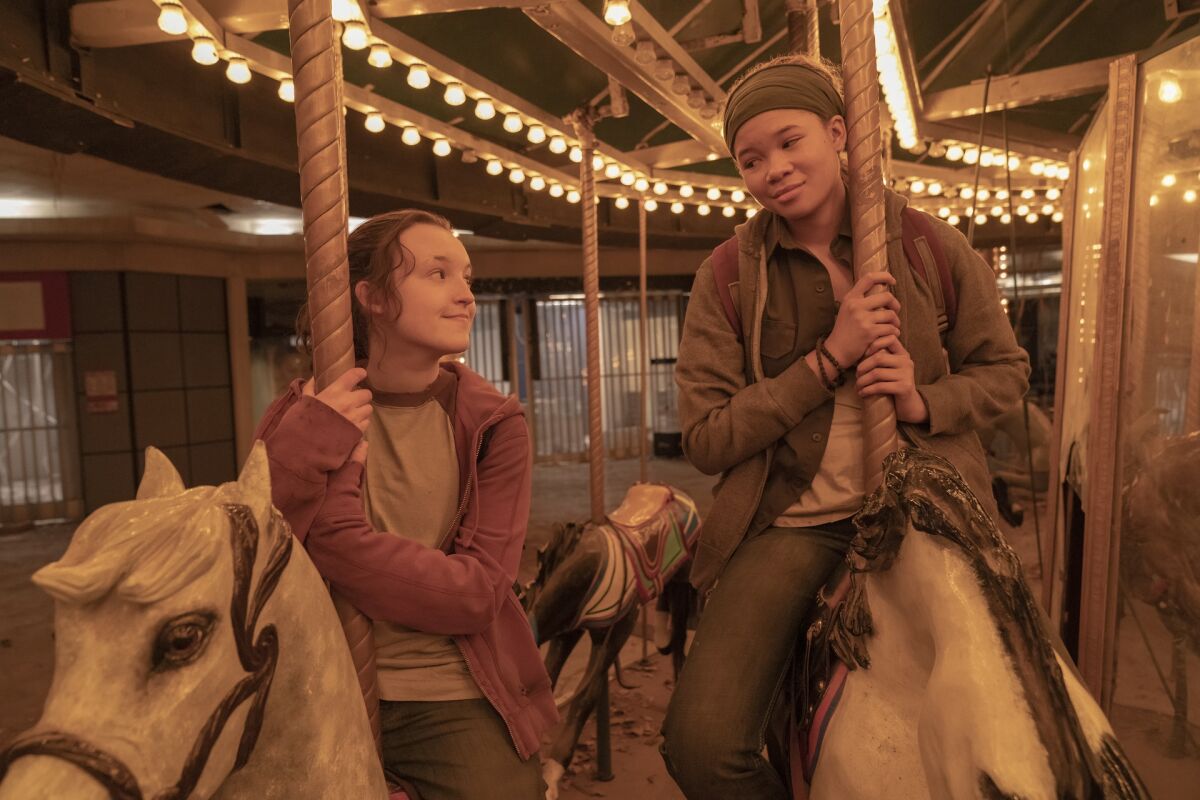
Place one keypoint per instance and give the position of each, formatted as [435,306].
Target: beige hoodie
[733,417]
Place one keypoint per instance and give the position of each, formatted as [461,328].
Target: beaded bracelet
[829,385]
[823,351]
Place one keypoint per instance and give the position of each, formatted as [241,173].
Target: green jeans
[456,750]
[717,722]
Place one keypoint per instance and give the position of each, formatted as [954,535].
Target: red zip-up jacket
[463,590]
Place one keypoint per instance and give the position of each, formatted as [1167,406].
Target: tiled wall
[165,337]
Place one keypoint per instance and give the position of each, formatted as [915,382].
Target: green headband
[782,86]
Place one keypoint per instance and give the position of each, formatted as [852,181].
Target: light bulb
[1002,194]
[703,209]
[512,122]
[1058,216]
[1169,90]
[1038,167]
[935,188]
[1053,194]
[986,159]
[418,76]
[713,193]
[1031,218]
[355,35]
[966,193]
[686,190]
[997,211]
[616,12]
[612,171]
[374,122]
[441,147]
[681,85]
[650,204]
[660,188]
[238,70]
[485,108]
[455,94]
[695,99]
[643,52]
[1022,210]
[944,212]
[516,175]
[954,153]
[1153,200]
[621,203]
[1014,163]
[1189,196]
[537,183]
[984,194]
[558,145]
[737,195]
[597,161]
[575,153]
[917,186]
[641,184]
[1027,194]
[627,178]
[536,134]
[204,51]
[971,156]
[664,69]
[494,167]
[380,56]
[728,211]
[750,212]
[345,10]
[171,19]
[623,35]
[410,135]
[1005,218]
[953,219]
[1168,180]
[677,207]
[573,196]
[981,219]
[287,90]
[557,190]
[1047,210]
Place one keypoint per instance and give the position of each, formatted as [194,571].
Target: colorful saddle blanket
[647,539]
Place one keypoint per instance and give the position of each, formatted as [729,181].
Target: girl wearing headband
[776,409]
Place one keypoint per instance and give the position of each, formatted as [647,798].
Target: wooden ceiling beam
[1012,91]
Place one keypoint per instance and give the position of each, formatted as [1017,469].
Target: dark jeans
[456,750]
[716,726]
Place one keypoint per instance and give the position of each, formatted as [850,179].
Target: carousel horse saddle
[821,667]
[651,536]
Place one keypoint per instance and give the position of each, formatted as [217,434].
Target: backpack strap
[725,273]
[925,255]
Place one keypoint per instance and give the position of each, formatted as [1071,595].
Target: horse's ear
[160,478]
[255,482]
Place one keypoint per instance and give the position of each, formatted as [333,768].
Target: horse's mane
[144,549]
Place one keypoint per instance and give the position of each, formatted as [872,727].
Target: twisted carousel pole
[591,309]
[864,149]
[804,27]
[321,136]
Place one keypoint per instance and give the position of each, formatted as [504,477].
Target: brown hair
[821,65]
[368,248]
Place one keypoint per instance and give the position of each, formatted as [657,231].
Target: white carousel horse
[595,578]
[958,692]
[197,654]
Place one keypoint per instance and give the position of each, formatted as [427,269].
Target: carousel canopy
[461,105]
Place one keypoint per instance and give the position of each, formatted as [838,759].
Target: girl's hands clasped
[887,369]
[344,397]
[863,318]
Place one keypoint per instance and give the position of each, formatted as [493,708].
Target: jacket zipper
[462,507]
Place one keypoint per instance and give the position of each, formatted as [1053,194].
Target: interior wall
[165,338]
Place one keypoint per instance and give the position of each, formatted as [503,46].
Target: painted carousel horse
[933,675]
[1160,553]
[188,634]
[596,578]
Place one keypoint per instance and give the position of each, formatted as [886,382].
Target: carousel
[181,176]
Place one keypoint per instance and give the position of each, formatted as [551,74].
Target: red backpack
[921,247]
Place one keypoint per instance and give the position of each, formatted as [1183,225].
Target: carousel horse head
[162,668]
[550,555]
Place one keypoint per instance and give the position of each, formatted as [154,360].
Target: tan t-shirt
[411,489]
[836,491]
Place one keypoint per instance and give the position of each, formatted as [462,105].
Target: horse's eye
[181,640]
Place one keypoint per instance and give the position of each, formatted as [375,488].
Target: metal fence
[537,347]
[39,464]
